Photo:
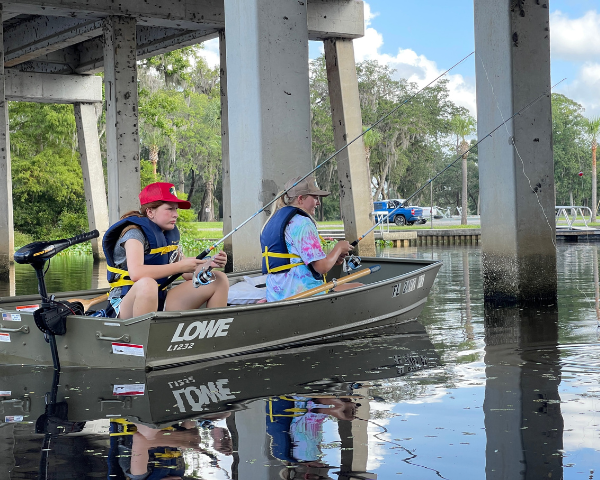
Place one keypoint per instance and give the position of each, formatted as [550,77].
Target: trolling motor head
[203,277]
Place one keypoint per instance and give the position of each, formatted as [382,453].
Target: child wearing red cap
[142,250]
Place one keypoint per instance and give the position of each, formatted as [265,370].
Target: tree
[463,126]
[592,127]
[48,195]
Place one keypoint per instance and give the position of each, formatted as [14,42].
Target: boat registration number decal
[409,286]
[205,329]
[13,418]
[128,349]
[11,317]
[180,346]
[4,337]
[131,389]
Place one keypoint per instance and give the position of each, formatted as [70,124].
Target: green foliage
[571,151]
[146,175]
[48,196]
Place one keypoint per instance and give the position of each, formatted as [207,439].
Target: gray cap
[308,186]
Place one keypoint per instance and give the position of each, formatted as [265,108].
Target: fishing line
[451,164]
[512,138]
[204,253]
[405,460]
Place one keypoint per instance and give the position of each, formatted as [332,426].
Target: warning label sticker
[27,308]
[128,349]
[4,337]
[131,389]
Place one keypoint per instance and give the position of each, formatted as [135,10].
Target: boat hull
[395,294]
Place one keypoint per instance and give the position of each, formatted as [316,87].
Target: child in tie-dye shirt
[302,239]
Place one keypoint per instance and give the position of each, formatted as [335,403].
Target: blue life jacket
[165,462]
[276,257]
[161,245]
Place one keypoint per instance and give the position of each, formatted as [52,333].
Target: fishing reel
[203,277]
[351,262]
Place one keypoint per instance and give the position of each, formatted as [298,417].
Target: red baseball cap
[162,192]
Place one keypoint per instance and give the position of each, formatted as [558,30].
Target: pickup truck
[400,216]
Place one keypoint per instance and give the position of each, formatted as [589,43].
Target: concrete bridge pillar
[516,166]
[353,171]
[268,107]
[7,231]
[122,136]
[93,175]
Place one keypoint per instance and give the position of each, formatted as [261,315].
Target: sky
[422,39]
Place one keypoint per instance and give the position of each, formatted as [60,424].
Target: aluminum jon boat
[396,293]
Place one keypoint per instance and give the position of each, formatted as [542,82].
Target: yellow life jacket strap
[266,254]
[163,250]
[122,281]
[168,454]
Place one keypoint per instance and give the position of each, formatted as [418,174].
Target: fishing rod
[405,203]
[205,277]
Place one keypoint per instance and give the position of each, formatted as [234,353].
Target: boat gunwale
[429,264]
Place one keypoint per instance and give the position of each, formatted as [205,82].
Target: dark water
[464,393]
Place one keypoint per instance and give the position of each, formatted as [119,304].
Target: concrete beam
[122,137]
[326,18]
[46,88]
[353,171]
[336,19]
[86,120]
[40,35]
[516,167]
[7,233]
[150,42]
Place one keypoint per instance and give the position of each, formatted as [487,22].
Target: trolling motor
[51,317]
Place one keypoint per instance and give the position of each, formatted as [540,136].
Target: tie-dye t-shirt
[301,238]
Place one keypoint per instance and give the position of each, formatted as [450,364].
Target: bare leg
[142,298]
[186,297]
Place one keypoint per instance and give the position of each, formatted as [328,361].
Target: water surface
[464,393]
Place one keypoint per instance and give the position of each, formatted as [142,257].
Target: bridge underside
[266,116]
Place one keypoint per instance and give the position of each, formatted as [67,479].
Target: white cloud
[575,38]
[408,64]
[584,89]
[211,52]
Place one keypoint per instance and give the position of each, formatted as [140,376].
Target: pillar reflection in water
[596,284]
[282,437]
[523,420]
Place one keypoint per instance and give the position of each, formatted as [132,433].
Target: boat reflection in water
[266,415]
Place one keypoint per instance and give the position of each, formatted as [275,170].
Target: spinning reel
[203,277]
[351,262]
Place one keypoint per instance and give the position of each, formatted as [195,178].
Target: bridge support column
[93,175]
[7,233]
[268,99]
[353,171]
[122,137]
[516,167]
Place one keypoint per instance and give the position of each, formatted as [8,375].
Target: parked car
[397,214]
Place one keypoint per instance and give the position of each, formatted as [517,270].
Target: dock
[454,236]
